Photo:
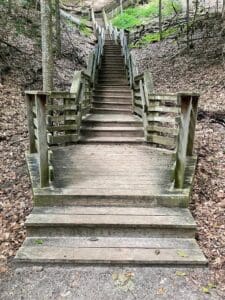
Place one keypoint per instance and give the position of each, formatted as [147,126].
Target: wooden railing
[54,118]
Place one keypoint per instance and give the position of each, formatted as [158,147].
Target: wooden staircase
[111,118]
[110,203]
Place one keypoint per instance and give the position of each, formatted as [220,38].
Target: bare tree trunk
[58,28]
[223,9]
[47,55]
[187,23]
[9,6]
[121,6]
[160,20]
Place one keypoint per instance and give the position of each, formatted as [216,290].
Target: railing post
[30,103]
[192,126]
[182,142]
[41,100]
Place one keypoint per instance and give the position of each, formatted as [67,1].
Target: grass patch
[142,14]
[86,31]
[154,37]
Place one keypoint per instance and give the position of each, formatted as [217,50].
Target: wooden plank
[130,211]
[42,140]
[68,138]
[161,119]
[30,121]
[61,108]
[62,128]
[138,111]
[186,108]
[62,118]
[164,109]
[42,220]
[162,140]
[163,97]
[106,255]
[62,95]
[139,77]
[192,125]
[166,130]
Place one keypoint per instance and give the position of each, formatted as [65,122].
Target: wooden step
[112,120]
[100,131]
[113,81]
[112,77]
[113,89]
[112,98]
[124,111]
[100,221]
[112,105]
[99,99]
[108,250]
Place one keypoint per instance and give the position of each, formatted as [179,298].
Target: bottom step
[107,250]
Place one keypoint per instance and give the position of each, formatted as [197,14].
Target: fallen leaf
[179,273]
[182,253]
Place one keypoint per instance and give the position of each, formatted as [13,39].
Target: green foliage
[155,37]
[142,14]
[86,31]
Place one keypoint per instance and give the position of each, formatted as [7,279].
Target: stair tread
[113,109]
[112,118]
[109,99]
[110,128]
[111,250]
[42,218]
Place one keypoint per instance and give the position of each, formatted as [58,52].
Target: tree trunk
[223,9]
[47,55]
[160,20]
[9,6]
[187,23]
[121,6]
[58,28]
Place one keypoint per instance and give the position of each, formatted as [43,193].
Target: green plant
[142,14]
[86,31]
[154,37]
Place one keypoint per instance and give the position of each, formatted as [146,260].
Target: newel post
[192,125]
[30,104]
[41,100]
[185,102]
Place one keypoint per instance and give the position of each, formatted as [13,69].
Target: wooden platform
[108,174]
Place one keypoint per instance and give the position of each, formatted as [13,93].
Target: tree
[160,19]
[47,54]
[58,28]
[121,6]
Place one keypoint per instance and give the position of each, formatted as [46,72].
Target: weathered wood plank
[42,140]
[30,101]
[161,119]
[67,138]
[163,97]
[165,130]
[62,128]
[119,255]
[61,108]
[162,140]
[164,109]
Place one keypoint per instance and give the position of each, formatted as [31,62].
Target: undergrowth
[142,14]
